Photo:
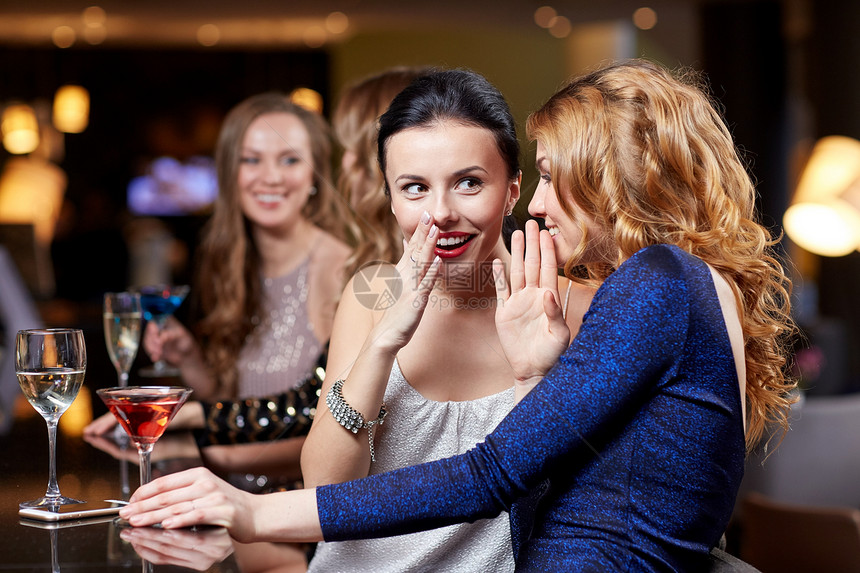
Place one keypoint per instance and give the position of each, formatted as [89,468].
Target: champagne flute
[158,303]
[144,412]
[122,315]
[50,364]
[122,320]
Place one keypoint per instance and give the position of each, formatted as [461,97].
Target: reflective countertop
[103,544]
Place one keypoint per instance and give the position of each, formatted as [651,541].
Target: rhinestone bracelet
[349,418]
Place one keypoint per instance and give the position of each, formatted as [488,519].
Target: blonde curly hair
[647,155]
[374,229]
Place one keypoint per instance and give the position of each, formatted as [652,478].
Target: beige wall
[526,66]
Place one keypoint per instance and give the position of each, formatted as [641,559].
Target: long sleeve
[285,415]
[628,345]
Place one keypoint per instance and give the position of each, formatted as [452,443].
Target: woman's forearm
[276,458]
[196,375]
[332,452]
[289,516]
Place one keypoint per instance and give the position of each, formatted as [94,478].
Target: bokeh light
[94,17]
[544,16]
[208,35]
[63,36]
[560,27]
[644,18]
[337,23]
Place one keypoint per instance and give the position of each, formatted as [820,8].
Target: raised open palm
[529,320]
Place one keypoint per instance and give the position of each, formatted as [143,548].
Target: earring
[510,212]
[313,190]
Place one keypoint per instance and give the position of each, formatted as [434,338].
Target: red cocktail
[144,412]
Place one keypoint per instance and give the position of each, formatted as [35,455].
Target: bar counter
[101,544]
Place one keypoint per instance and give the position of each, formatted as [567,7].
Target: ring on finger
[412,257]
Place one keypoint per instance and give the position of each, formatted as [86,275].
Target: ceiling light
[20,129]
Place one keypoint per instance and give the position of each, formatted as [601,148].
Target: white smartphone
[65,524]
[74,511]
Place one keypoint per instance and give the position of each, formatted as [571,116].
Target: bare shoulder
[328,260]
[327,275]
[330,250]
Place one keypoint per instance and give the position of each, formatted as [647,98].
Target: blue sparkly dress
[637,429]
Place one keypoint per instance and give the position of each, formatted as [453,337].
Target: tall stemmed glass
[122,315]
[158,303]
[50,364]
[144,412]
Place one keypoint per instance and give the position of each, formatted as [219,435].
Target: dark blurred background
[161,75]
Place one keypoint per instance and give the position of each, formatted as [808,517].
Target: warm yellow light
[20,129]
[308,99]
[63,36]
[833,166]
[208,35]
[78,415]
[337,23]
[560,27]
[824,217]
[95,31]
[94,16]
[644,18]
[830,230]
[544,16]
[31,191]
[71,109]
[95,35]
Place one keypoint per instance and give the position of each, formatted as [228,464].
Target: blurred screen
[172,187]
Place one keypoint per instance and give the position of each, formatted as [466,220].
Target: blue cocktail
[158,302]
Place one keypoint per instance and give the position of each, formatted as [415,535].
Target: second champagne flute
[122,317]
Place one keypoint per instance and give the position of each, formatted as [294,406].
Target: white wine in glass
[122,319]
[50,364]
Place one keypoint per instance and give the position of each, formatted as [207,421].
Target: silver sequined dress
[282,350]
[418,430]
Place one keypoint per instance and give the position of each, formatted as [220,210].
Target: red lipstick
[456,251]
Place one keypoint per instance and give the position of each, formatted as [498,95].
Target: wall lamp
[824,216]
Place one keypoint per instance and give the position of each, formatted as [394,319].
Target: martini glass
[50,364]
[144,412]
[158,303]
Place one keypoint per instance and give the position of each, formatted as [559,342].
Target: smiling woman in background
[270,260]
[270,268]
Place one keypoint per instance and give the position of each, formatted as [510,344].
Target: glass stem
[123,379]
[124,487]
[53,488]
[55,554]
[145,469]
